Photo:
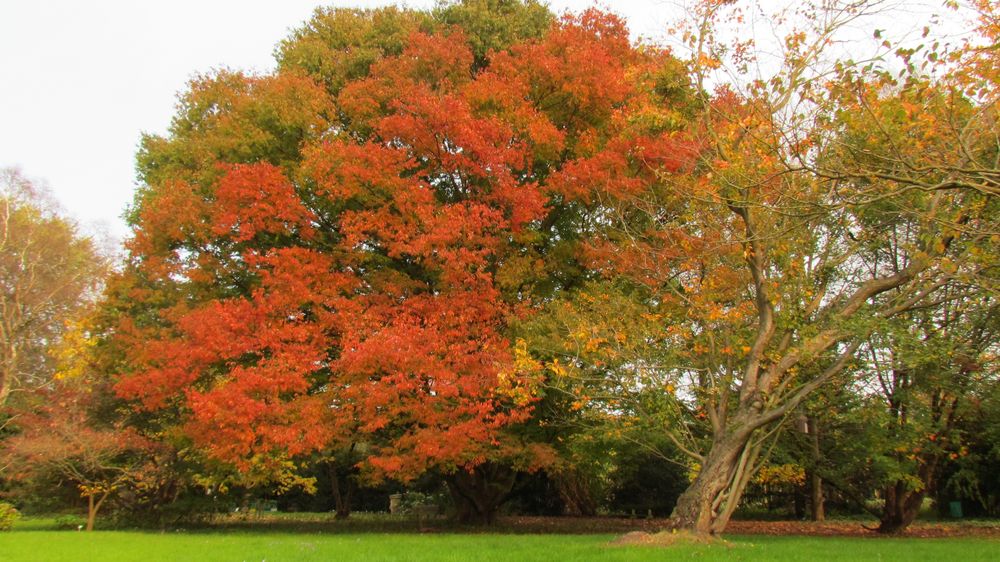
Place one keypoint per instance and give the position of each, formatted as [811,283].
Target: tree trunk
[799,502]
[901,508]
[575,494]
[4,390]
[7,366]
[92,508]
[341,500]
[817,503]
[708,503]
[902,502]
[479,493]
[91,512]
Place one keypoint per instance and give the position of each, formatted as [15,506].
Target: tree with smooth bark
[49,272]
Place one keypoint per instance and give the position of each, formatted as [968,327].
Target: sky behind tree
[84,80]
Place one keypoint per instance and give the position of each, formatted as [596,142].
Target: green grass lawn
[31,542]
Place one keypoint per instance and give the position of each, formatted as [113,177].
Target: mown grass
[33,540]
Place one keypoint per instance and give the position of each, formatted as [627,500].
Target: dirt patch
[665,539]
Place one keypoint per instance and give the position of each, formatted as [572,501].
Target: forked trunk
[478,494]
[708,503]
[902,502]
[901,508]
[575,494]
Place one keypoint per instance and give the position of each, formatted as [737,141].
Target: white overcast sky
[81,80]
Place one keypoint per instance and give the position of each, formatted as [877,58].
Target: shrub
[8,515]
[73,522]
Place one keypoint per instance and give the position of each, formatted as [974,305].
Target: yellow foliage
[73,352]
[782,474]
[520,382]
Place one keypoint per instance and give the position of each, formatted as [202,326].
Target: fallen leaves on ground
[841,528]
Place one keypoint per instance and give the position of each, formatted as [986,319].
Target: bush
[8,515]
[413,500]
[73,522]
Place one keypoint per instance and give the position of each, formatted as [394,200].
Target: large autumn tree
[331,257]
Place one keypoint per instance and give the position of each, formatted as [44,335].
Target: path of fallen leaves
[605,525]
[801,528]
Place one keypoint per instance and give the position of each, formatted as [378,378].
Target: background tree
[49,271]
[920,376]
[60,440]
[955,360]
[972,478]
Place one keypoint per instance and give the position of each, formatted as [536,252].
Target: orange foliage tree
[327,255]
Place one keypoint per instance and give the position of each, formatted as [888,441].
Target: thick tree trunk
[902,502]
[901,508]
[478,494]
[708,503]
